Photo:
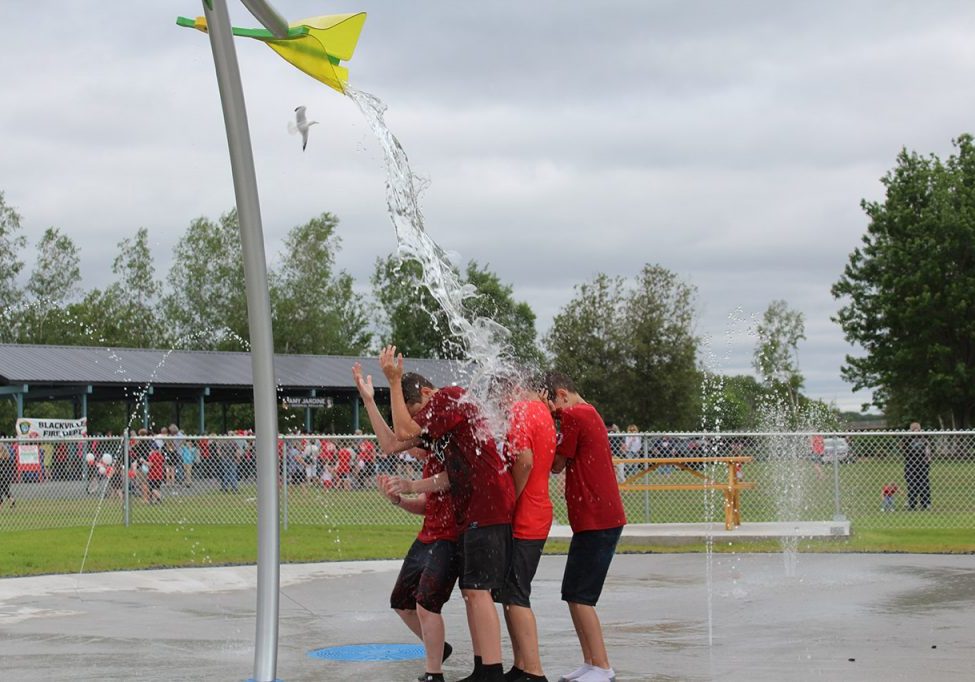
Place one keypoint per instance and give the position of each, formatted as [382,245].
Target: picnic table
[696,466]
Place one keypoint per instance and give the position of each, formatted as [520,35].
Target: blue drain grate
[369,652]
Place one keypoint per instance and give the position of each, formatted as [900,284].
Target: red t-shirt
[591,492]
[480,484]
[157,463]
[438,513]
[367,451]
[345,461]
[532,429]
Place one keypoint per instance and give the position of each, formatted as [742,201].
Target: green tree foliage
[413,320]
[11,245]
[495,300]
[52,286]
[128,312]
[732,403]
[316,311]
[409,316]
[206,307]
[776,356]
[909,291]
[631,349]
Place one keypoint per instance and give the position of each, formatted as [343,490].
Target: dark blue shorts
[487,550]
[590,554]
[427,576]
[517,590]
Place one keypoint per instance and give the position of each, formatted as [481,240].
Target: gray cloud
[729,142]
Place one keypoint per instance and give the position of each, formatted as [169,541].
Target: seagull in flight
[301,125]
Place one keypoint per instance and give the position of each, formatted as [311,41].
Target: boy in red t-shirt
[453,427]
[156,474]
[595,513]
[432,564]
[530,451]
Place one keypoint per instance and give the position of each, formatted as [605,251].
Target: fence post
[284,479]
[837,512]
[646,493]
[125,475]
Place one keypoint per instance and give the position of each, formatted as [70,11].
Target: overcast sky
[730,142]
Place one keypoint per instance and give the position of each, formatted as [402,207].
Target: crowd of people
[486,514]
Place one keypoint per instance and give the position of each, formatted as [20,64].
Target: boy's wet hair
[556,380]
[412,384]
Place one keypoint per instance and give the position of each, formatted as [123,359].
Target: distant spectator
[156,475]
[917,469]
[632,449]
[8,468]
[189,455]
[343,469]
[366,467]
[229,454]
[888,493]
[309,455]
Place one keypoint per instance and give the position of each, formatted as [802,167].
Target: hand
[392,364]
[366,390]
[398,486]
[382,482]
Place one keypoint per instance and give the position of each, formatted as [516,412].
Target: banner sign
[305,401]
[30,428]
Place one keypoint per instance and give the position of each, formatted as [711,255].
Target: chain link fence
[873,479]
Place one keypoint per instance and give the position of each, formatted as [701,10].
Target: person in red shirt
[156,474]
[432,564]
[343,470]
[453,427]
[366,467]
[595,513]
[530,451]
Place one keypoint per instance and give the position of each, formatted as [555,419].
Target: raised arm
[404,428]
[387,439]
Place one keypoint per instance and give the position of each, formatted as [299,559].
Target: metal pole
[646,493]
[125,476]
[284,480]
[261,339]
[837,512]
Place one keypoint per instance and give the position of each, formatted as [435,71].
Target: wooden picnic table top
[731,459]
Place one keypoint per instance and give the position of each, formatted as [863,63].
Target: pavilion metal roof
[97,366]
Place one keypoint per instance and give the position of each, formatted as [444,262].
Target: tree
[776,356]
[53,284]
[415,322]
[733,403]
[128,312]
[630,348]
[11,243]
[410,317]
[316,311]
[910,291]
[495,300]
[207,305]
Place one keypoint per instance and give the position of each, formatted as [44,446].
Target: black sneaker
[514,674]
[447,650]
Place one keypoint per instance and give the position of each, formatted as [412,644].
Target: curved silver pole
[261,339]
[268,16]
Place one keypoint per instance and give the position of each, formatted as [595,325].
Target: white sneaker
[597,674]
[576,674]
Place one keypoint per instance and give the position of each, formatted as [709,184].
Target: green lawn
[211,528]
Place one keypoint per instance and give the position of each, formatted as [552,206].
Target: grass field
[47,535]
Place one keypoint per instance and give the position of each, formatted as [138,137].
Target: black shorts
[487,550]
[517,590]
[590,553]
[427,576]
[155,484]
